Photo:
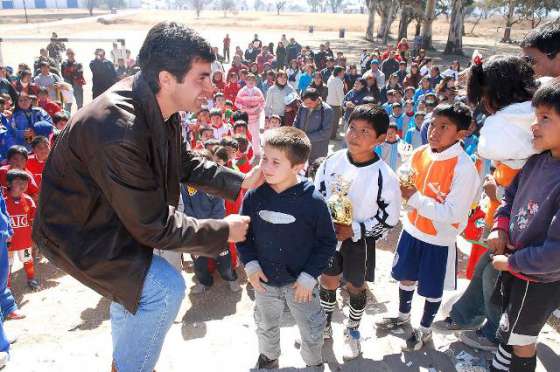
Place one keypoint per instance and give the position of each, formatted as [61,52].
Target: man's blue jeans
[475,304]
[138,338]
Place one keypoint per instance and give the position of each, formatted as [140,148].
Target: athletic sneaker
[449,324]
[352,348]
[477,340]
[392,322]
[234,286]
[15,315]
[264,363]
[418,339]
[199,288]
[33,284]
[327,333]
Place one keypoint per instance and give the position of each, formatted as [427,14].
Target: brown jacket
[110,190]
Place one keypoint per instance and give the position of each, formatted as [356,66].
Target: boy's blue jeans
[475,304]
[223,265]
[138,338]
[7,302]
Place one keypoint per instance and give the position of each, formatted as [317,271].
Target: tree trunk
[429,16]
[390,19]
[404,22]
[371,19]
[418,27]
[197,13]
[455,37]
[509,22]
[476,23]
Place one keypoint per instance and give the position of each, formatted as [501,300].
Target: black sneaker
[265,363]
[392,322]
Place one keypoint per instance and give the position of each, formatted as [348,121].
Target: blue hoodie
[200,205]
[291,233]
[6,230]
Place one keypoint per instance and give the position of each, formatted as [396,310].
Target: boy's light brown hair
[292,141]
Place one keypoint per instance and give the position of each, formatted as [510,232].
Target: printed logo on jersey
[191,190]
[19,220]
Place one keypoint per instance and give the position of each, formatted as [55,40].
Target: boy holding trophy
[364,199]
[439,191]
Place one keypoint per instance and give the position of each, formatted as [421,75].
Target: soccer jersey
[374,192]
[21,213]
[36,168]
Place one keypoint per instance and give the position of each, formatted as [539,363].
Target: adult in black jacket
[111,187]
[103,73]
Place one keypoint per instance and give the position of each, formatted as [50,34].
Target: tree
[227,6]
[387,9]
[455,36]
[335,5]
[198,5]
[314,5]
[429,16]
[410,10]
[258,5]
[371,6]
[279,5]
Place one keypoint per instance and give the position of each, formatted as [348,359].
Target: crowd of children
[296,254]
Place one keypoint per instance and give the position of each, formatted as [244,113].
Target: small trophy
[339,203]
[405,171]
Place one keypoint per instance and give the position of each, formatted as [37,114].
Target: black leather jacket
[110,190]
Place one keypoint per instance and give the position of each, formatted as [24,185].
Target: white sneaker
[199,288]
[4,357]
[352,348]
[234,286]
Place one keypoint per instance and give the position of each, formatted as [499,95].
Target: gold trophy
[339,203]
[405,171]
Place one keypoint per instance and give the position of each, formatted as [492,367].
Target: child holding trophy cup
[439,188]
[364,199]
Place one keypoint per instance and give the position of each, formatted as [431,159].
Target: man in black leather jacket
[111,187]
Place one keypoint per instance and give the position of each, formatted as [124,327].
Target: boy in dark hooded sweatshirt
[526,241]
[289,243]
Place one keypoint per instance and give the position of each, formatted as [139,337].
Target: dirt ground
[67,325]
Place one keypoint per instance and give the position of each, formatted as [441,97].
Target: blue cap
[376,61]
[43,128]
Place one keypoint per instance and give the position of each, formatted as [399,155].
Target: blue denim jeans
[138,338]
[223,265]
[475,304]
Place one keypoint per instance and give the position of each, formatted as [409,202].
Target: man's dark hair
[171,47]
[292,141]
[37,140]
[545,38]
[310,93]
[501,81]
[337,70]
[548,95]
[17,149]
[17,174]
[374,115]
[458,113]
[240,115]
